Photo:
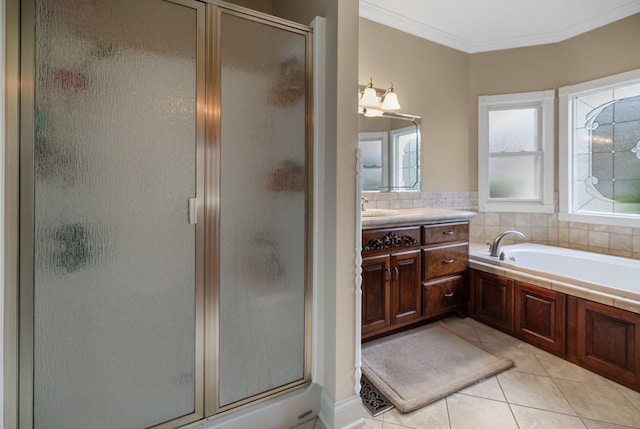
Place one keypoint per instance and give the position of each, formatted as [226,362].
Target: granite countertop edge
[417,216]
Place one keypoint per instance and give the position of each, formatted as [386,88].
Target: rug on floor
[374,401]
[417,367]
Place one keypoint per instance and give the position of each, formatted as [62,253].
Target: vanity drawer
[445,233]
[390,238]
[442,296]
[445,260]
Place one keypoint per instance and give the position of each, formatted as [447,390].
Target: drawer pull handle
[450,232]
[388,274]
[397,272]
[448,294]
[449,261]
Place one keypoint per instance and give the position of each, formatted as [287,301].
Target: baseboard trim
[344,414]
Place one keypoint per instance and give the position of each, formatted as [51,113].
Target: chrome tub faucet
[494,248]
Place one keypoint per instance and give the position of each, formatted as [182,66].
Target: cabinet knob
[449,261]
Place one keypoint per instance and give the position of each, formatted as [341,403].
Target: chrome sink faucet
[494,248]
[363,200]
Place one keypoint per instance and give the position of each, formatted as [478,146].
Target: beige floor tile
[531,390]
[632,396]
[432,416]
[600,403]
[372,424]
[592,424]
[488,389]
[469,412]
[318,425]
[531,418]
[560,368]
[493,336]
[520,353]
[306,425]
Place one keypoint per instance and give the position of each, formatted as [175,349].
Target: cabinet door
[493,300]
[405,288]
[608,341]
[376,294]
[540,316]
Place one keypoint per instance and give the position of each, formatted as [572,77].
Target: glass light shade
[369,98]
[390,101]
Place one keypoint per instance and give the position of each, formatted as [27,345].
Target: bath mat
[374,401]
[417,367]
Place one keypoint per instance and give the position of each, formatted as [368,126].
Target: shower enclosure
[165,258]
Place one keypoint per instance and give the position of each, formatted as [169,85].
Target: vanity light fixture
[390,100]
[369,96]
[375,105]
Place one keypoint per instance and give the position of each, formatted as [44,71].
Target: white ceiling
[486,25]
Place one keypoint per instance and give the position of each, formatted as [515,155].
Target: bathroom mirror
[390,152]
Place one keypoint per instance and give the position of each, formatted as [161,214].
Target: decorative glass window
[600,150]
[406,158]
[515,152]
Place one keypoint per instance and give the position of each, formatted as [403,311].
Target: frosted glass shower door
[262,214]
[116,259]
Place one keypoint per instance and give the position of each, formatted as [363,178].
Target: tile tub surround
[541,391]
[539,228]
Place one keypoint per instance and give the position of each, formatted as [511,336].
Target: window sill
[626,221]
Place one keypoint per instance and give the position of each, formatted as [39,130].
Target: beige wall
[601,52]
[450,81]
[432,81]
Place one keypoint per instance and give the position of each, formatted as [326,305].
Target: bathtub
[606,279]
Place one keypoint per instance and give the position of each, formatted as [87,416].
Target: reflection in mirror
[390,152]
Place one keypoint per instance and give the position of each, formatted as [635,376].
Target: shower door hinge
[193,211]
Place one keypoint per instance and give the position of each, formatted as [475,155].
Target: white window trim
[565,132]
[545,100]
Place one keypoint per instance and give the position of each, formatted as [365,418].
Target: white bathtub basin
[609,274]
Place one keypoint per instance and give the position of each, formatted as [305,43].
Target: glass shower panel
[115,165]
[262,209]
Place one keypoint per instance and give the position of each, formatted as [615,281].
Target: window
[374,147]
[599,150]
[390,159]
[515,152]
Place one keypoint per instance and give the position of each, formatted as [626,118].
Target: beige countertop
[416,216]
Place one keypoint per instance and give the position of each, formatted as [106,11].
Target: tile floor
[542,391]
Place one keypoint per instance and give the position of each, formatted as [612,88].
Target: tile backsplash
[539,228]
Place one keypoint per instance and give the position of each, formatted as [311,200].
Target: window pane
[515,177]
[606,152]
[371,156]
[406,160]
[513,130]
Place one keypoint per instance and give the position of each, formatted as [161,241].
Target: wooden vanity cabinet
[407,279]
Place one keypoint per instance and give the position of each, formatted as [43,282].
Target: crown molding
[411,26]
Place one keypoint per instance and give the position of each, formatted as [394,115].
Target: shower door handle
[193,211]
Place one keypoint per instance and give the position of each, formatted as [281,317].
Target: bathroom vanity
[413,268]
